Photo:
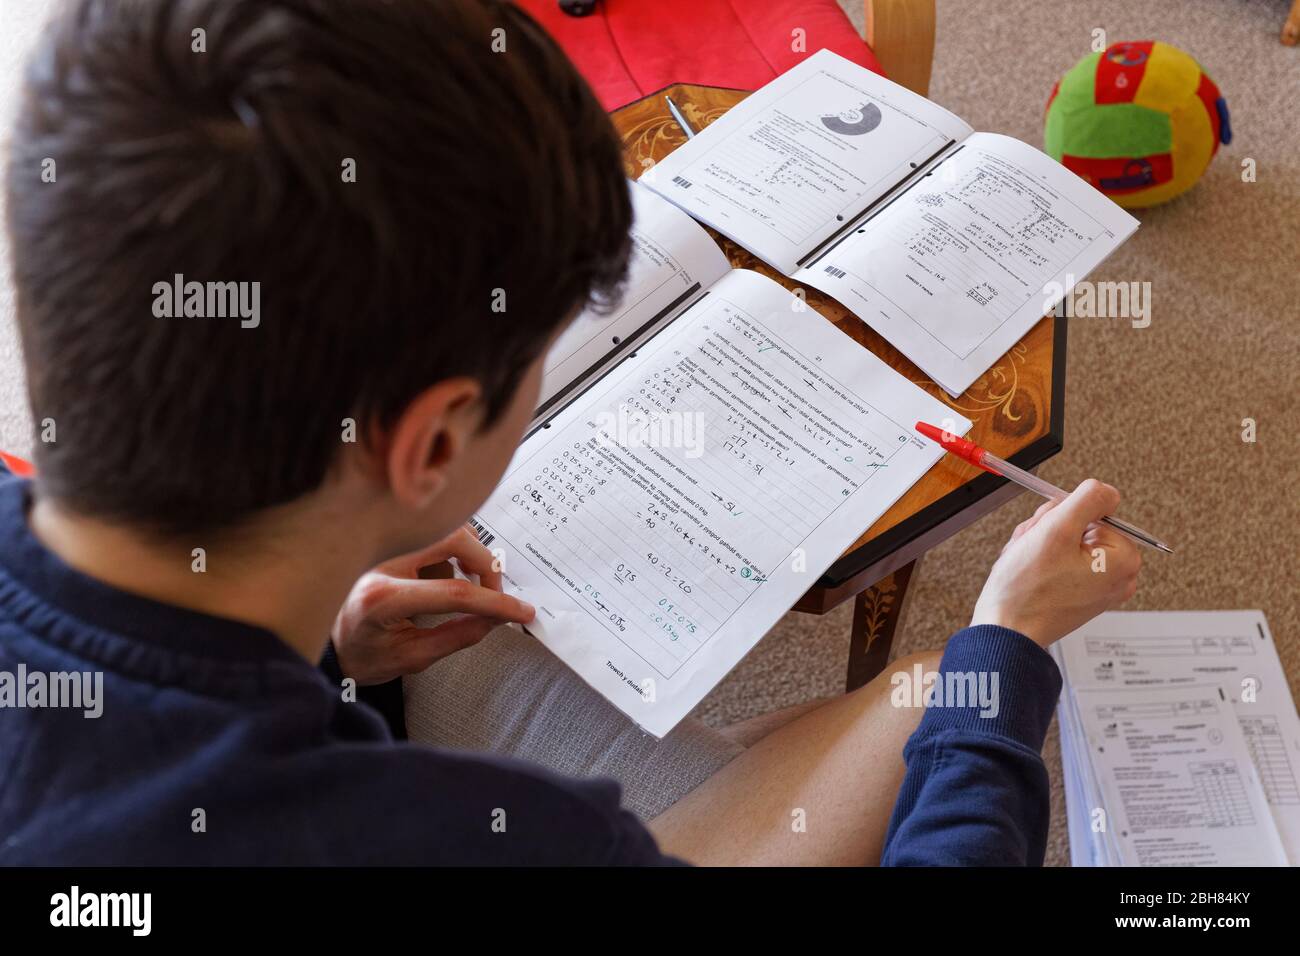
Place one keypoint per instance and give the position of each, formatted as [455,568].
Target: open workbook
[950,243]
[701,455]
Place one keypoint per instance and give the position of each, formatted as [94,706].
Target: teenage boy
[370,179]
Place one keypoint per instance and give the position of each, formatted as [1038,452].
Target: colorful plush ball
[1140,121]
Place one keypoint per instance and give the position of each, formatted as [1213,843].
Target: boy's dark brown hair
[214,139]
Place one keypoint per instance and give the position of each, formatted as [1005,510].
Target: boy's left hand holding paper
[374,636]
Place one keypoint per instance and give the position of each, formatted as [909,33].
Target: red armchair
[630,48]
[15,464]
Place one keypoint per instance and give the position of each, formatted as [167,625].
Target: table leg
[877,614]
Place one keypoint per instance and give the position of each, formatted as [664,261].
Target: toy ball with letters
[1140,121]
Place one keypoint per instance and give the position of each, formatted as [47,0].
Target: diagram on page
[956,268]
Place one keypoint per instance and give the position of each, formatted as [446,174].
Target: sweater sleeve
[386,698]
[976,791]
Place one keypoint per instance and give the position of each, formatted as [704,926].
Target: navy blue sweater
[217,743]
[976,790]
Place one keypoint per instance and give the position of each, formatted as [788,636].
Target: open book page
[1179,785]
[960,266]
[797,161]
[1154,649]
[666,518]
[672,260]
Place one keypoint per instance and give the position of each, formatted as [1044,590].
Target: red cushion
[628,49]
[15,464]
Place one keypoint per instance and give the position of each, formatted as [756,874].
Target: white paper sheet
[790,165]
[955,270]
[672,258]
[1179,785]
[1136,650]
[657,560]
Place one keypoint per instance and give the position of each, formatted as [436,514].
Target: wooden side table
[1017,407]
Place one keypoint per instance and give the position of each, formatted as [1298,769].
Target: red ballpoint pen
[983,458]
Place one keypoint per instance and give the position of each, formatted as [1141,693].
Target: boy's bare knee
[898,690]
[929,661]
[889,700]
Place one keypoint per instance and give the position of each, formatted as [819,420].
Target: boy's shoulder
[173,775]
[202,740]
[135,732]
[255,790]
[415,804]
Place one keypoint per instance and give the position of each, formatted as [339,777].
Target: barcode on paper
[682,181]
[485,536]
[837,273]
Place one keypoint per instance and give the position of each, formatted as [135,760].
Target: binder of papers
[1179,741]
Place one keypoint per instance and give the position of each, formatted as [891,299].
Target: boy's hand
[373,635]
[1048,581]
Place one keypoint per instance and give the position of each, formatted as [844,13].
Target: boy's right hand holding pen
[1061,568]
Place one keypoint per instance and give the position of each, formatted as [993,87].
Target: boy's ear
[428,436]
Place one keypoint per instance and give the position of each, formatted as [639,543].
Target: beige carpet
[1155,411]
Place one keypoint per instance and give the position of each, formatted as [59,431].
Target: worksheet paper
[957,268]
[1160,649]
[951,244]
[1176,774]
[672,259]
[665,519]
[1090,844]
[786,169]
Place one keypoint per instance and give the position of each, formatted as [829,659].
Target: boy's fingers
[1033,519]
[411,562]
[407,598]
[1086,504]
[1029,523]
[474,558]
[462,544]
[1123,557]
[434,643]
[1100,535]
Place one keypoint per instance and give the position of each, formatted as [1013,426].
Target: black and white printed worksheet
[700,471]
[951,244]
[1176,777]
[1179,731]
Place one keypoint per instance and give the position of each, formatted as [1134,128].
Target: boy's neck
[290,579]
